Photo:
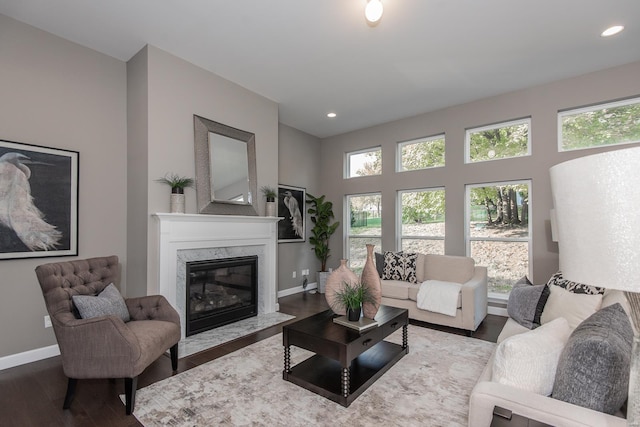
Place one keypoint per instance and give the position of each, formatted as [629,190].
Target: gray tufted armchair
[105,347]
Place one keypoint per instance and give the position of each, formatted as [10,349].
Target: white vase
[270,209]
[176,204]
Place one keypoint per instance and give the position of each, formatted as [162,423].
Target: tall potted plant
[321,212]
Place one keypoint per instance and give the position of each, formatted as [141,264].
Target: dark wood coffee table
[346,362]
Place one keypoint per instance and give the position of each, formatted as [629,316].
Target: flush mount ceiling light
[612,31]
[373,11]
[331,115]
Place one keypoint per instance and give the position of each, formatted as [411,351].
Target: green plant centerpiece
[351,297]
[321,211]
[269,193]
[176,182]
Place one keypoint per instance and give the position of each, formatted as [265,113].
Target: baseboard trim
[296,290]
[18,359]
[498,311]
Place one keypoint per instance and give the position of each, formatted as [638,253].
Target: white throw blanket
[439,297]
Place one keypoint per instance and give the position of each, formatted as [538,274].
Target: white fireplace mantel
[188,233]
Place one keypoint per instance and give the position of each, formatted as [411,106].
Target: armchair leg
[71,391]
[174,357]
[130,386]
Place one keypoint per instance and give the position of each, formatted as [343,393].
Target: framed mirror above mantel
[226,181]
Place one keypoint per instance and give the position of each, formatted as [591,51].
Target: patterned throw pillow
[400,266]
[576,288]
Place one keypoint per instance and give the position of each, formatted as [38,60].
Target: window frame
[467,231]
[469,131]
[401,144]
[398,232]
[347,161]
[588,109]
[346,218]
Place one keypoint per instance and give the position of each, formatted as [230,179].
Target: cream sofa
[472,301]
[486,394]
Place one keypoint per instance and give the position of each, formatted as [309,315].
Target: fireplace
[184,238]
[220,291]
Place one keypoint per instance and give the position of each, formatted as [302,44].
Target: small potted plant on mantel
[321,211]
[351,297]
[177,184]
[270,195]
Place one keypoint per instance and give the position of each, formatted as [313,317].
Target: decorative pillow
[593,370]
[572,306]
[528,361]
[575,287]
[109,302]
[400,266]
[526,302]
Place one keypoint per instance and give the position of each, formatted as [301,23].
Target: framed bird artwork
[38,201]
[291,206]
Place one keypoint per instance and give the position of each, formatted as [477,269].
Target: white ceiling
[313,57]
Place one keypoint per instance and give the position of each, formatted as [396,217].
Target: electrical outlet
[47,322]
[294,275]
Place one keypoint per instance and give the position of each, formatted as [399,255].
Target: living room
[132,122]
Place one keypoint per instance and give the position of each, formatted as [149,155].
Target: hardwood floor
[32,394]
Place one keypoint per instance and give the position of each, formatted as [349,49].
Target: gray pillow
[526,302]
[109,302]
[593,370]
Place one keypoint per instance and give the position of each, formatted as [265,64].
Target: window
[596,126]
[500,141]
[363,163]
[363,217]
[421,217]
[420,154]
[498,232]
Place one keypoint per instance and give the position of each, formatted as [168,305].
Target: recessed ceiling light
[331,115]
[612,31]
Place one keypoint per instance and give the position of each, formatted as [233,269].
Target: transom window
[363,216]
[421,153]
[498,232]
[599,125]
[363,163]
[499,141]
[421,215]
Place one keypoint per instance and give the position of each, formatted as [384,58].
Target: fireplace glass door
[220,291]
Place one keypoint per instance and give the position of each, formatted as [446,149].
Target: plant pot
[353,314]
[270,208]
[176,204]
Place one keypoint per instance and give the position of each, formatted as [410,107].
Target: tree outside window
[501,141]
[601,125]
[498,232]
[421,154]
[422,216]
[364,226]
[364,163]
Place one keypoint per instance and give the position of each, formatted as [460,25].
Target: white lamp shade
[597,204]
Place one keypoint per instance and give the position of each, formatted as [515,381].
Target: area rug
[429,387]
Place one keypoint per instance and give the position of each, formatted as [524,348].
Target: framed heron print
[38,201]
[291,206]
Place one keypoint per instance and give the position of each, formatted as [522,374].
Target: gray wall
[298,155]
[58,94]
[162,142]
[540,103]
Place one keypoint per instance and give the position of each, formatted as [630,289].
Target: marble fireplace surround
[191,237]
